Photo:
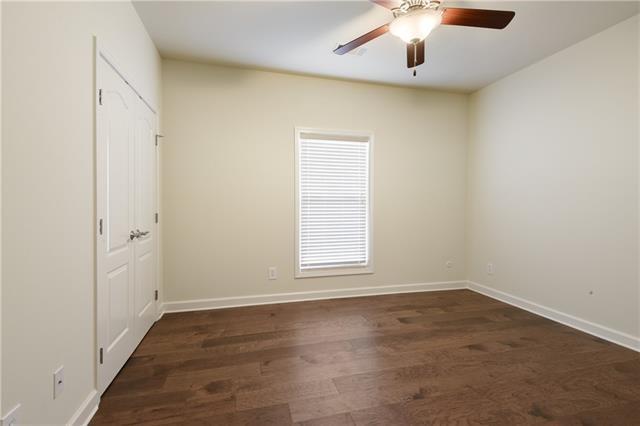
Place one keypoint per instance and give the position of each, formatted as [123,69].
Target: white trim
[85,412]
[11,417]
[603,332]
[606,333]
[335,272]
[266,299]
[109,59]
[347,270]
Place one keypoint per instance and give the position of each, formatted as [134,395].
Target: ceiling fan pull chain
[415,58]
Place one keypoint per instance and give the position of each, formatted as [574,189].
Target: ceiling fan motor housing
[414,20]
[411,5]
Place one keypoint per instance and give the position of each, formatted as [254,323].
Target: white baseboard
[266,299]
[606,333]
[85,412]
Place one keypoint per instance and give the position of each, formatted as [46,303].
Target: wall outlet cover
[273,273]
[490,268]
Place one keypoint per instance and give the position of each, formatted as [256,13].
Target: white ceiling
[299,36]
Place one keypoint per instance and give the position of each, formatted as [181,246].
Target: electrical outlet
[273,273]
[490,269]
[11,418]
[58,382]
[449,264]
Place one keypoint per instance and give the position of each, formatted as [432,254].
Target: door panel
[144,275]
[116,209]
[117,111]
[118,320]
[145,209]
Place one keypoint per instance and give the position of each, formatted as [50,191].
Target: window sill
[334,272]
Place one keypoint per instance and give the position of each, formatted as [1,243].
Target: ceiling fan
[413,21]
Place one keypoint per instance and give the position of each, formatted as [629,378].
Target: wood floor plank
[179,380]
[451,357]
[466,407]
[381,415]
[312,408]
[278,393]
[277,415]
[343,419]
[621,415]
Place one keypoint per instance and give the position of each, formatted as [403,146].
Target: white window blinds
[333,201]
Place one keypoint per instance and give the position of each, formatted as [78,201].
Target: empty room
[385,212]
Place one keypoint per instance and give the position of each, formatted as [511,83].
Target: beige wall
[553,181]
[552,186]
[228,178]
[1,410]
[48,192]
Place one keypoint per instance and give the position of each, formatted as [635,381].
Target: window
[333,203]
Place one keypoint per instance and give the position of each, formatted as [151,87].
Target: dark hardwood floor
[451,357]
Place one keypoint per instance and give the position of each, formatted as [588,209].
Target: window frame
[337,271]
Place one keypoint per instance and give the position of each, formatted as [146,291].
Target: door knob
[137,234]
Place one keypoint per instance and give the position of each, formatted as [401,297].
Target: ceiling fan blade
[365,38]
[496,19]
[415,54]
[389,4]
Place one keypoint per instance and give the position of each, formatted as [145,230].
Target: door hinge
[156,217]
[158,137]
[156,293]
[101,357]
[100,226]
[99,96]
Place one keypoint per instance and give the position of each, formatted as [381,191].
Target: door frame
[101,53]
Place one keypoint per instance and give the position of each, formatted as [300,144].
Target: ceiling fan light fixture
[415,25]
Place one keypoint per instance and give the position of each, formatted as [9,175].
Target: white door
[125,204]
[145,218]
[115,206]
